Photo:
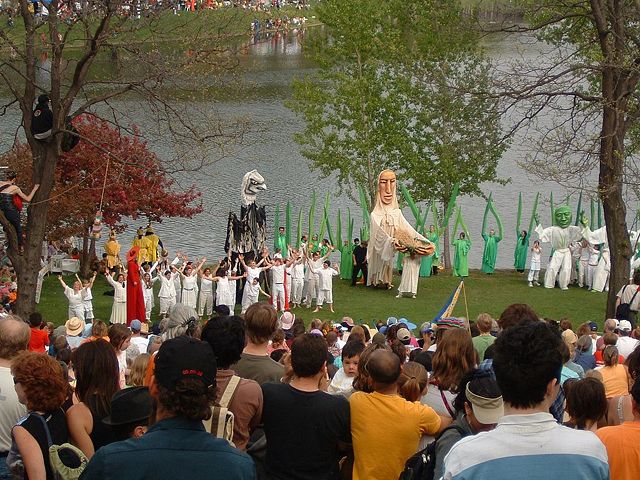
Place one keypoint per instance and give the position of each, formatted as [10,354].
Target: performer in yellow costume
[112,249]
[154,241]
[143,244]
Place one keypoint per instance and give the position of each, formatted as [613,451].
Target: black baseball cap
[129,405]
[185,357]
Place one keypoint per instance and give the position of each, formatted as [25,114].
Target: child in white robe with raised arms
[325,285]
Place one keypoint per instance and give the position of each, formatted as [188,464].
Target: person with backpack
[42,388]
[628,300]
[239,396]
[478,408]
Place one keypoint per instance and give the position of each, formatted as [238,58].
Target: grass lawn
[485,293]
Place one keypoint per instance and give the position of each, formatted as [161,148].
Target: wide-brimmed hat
[74,326]
[486,410]
[133,253]
[130,405]
[410,325]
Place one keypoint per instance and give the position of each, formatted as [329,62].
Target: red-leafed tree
[136,185]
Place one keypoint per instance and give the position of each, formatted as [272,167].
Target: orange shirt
[623,449]
[39,340]
[615,379]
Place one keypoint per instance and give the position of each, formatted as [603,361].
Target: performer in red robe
[135,297]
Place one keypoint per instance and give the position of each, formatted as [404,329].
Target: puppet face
[252,183]
[562,216]
[387,187]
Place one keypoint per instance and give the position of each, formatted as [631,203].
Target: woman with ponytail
[413,381]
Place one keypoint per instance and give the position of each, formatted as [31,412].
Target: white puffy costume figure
[560,236]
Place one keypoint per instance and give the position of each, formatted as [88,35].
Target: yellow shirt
[386,431]
[616,380]
[623,449]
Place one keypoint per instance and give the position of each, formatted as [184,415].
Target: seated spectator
[342,382]
[571,341]
[260,321]
[138,370]
[586,403]
[454,357]
[567,372]
[41,387]
[623,442]
[413,382]
[610,325]
[304,426]
[74,328]
[620,409]
[137,338]
[177,445]
[96,369]
[383,414]
[625,343]
[527,365]
[582,356]
[39,340]
[131,409]
[227,340]
[485,339]
[478,406]
[614,375]
[277,342]
[607,339]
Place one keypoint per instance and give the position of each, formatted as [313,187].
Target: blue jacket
[172,448]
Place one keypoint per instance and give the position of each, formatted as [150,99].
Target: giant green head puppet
[562,216]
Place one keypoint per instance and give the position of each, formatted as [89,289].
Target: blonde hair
[138,370]
[484,322]
[413,381]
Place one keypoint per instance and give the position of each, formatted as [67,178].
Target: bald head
[384,367]
[14,336]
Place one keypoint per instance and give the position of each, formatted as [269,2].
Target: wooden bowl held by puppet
[406,242]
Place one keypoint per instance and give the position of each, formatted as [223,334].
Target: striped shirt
[528,447]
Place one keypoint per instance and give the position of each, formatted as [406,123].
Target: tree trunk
[446,250]
[27,265]
[610,183]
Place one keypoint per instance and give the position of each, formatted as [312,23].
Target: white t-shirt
[10,408]
[325,278]
[277,272]
[626,345]
[253,273]
[297,271]
[141,343]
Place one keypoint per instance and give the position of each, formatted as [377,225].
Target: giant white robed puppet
[387,220]
[560,236]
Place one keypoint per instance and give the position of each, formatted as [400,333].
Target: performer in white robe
[74,295]
[560,236]
[386,219]
[167,293]
[205,299]
[410,275]
[119,309]
[601,274]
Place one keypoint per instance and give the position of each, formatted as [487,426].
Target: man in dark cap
[42,119]
[177,445]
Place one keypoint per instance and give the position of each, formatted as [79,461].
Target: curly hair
[42,380]
[189,398]
[454,357]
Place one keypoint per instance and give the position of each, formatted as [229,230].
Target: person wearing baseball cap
[625,343]
[184,387]
[478,407]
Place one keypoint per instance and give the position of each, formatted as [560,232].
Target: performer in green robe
[491,240]
[280,242]
[346,260]
[520,254]
[428,262]
[462,245]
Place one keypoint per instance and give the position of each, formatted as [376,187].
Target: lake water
[271,64]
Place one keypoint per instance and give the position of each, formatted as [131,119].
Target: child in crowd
[534,266]
[325,285]
[147,293]
[334,349]
[131,409]
[413,382]
[87,297]
[39,336]
[277,342]
[342,382]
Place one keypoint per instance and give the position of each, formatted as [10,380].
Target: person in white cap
[478,408]
[625,343]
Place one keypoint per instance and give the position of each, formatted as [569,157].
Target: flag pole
[466,307]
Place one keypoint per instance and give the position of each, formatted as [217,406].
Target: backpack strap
[220,410]
[633,298]
[446,403]
[46,429]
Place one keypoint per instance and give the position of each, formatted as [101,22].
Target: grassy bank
[484,293]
